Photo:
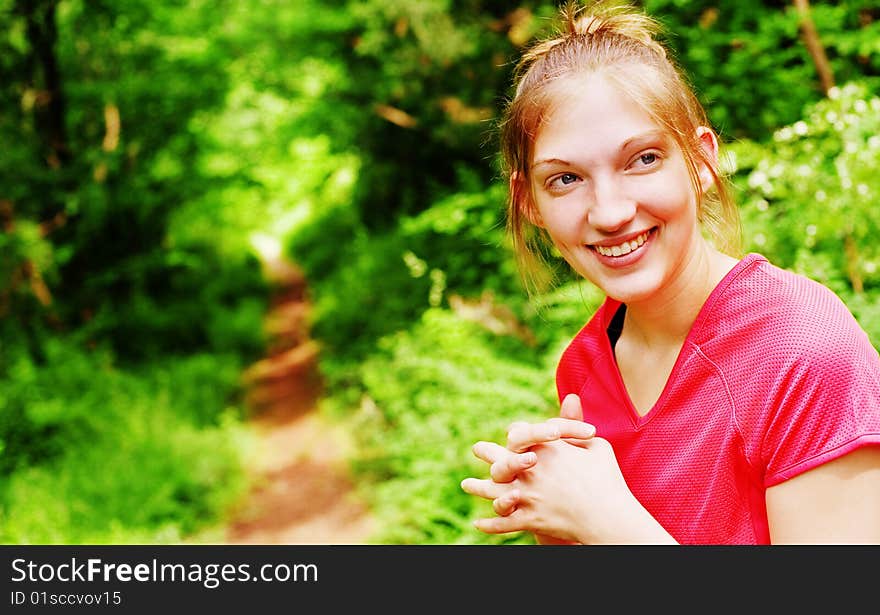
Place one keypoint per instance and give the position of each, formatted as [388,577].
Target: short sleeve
[825,403]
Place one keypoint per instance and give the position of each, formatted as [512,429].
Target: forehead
[589,115]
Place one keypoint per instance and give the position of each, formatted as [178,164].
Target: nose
[611,209]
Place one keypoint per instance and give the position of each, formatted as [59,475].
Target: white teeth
[624,248]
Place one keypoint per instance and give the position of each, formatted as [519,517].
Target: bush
[429,393]
[810,193]
[93,454]
[182,301]
[367,285]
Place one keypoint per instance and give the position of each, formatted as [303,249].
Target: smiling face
[613,191]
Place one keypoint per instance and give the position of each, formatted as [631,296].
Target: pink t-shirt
[775,377]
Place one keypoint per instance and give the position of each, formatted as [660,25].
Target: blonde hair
[621,43]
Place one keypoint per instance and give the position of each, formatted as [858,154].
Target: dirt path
[302,493]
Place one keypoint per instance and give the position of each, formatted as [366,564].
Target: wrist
[631,523]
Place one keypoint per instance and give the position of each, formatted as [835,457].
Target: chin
[626,295]
[629,289]
[631,297]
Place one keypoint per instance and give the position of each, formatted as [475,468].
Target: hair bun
[607,17]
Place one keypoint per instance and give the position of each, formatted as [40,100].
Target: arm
[837,502]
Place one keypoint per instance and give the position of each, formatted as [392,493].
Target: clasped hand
[555,479]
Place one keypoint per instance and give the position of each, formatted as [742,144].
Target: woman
[711,399]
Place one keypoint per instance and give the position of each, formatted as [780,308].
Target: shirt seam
[783,475]
[731,400]
[739,432]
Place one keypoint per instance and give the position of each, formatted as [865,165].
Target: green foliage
[88,194]
[390,278]
[94,454]
[557,314]
[429,393]
[205,303]
[141,182]
[463,235]
[428,78]
[750,65]
[123,324]
[808,194]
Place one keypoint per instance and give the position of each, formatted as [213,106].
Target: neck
[667,319]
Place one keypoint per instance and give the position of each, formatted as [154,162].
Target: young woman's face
[614,193]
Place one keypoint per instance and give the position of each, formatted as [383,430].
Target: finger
[500,525]
[505,469]
[573,428]
[483,488]
[527,435]
[490,452]
[506,504]
[571,408]
[517,425]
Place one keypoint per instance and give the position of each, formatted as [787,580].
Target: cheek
[561,213]
[563,224]
[664,199]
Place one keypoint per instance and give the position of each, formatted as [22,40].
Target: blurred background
[222,216]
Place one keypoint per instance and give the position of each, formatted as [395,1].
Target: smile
[625,247]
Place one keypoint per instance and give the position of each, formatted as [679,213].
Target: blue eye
[568,178]
[648,159]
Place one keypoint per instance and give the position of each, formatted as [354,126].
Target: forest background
[153,150]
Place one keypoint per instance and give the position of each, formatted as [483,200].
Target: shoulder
[778,313]
[803,373]
[775,329]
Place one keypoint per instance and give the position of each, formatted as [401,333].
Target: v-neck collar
[610,309]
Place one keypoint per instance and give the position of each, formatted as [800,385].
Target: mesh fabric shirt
[775,378]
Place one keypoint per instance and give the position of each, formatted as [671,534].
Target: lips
[621,247]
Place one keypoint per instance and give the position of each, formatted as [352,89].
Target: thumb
[571,408]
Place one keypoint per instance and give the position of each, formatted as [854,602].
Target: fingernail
[529,458]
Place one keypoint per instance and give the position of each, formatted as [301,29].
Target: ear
[521,195]
[709,144]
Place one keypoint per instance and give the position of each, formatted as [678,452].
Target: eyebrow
[646,137]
